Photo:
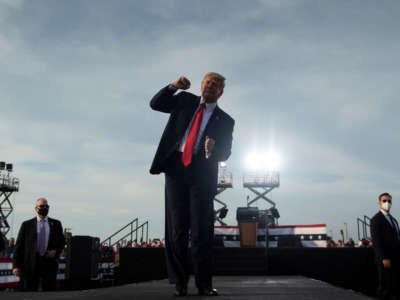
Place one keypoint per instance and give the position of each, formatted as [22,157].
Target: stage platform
[230,287]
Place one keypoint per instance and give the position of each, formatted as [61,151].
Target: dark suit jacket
[26,245]
[2,242]
[181,108]
[384,240]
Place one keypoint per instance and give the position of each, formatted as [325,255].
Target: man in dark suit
[39,244]
[197,137]
[386,242]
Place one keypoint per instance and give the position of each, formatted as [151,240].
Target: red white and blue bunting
[311,236]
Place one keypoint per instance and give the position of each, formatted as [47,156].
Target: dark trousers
[389,281]
[45,271]
[189,206]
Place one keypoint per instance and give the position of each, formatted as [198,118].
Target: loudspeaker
[83,257]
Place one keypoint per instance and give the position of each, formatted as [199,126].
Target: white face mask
[386,206]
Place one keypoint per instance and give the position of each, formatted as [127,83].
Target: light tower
[261,180]
[8,185]
[224,182]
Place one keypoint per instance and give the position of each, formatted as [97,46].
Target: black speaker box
[83,257]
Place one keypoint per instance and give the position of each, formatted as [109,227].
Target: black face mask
[43,211]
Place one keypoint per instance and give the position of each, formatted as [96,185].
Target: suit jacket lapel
[389,224]
[51,231]
[395,221]
[215,117]
[34,232]
[396,225]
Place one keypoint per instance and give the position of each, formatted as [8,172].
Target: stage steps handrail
[366,222]
[133,230]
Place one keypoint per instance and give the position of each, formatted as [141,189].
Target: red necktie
[192,136]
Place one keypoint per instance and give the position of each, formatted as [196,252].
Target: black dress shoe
[208,292]
[180,292]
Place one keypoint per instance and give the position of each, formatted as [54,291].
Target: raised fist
[182,83]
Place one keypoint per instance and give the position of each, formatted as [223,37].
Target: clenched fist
[209,146]
[182,83]
[387,263]
[16,272]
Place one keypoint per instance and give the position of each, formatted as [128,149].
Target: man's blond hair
[216,75]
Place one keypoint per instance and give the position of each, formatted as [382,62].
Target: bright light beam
[272,161]
[269,161]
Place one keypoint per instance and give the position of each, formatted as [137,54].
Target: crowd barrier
[8,280]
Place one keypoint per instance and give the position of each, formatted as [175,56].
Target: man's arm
[377,239]
[19,248]
[165,100]
[60,239]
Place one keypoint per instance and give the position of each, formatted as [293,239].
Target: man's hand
[387,263]
[16,272]
[51,253]
[209,146]
[182,83]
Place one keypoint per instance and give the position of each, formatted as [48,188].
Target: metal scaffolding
[8,185]
[262,183]
[224,182]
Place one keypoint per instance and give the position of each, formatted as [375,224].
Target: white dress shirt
[47,227]
[208,110]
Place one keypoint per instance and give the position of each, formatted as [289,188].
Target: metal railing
[365,224]
[134,230]
[263,179]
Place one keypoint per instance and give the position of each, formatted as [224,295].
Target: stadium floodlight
[9,167]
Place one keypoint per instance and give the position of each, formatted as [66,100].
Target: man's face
[383,200]
[211,89]
[41,203]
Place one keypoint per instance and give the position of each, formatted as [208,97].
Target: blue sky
[316,81]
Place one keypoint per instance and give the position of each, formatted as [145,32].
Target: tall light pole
[347,233]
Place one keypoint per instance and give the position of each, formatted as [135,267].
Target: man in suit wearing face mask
[386,242]
[39,244]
